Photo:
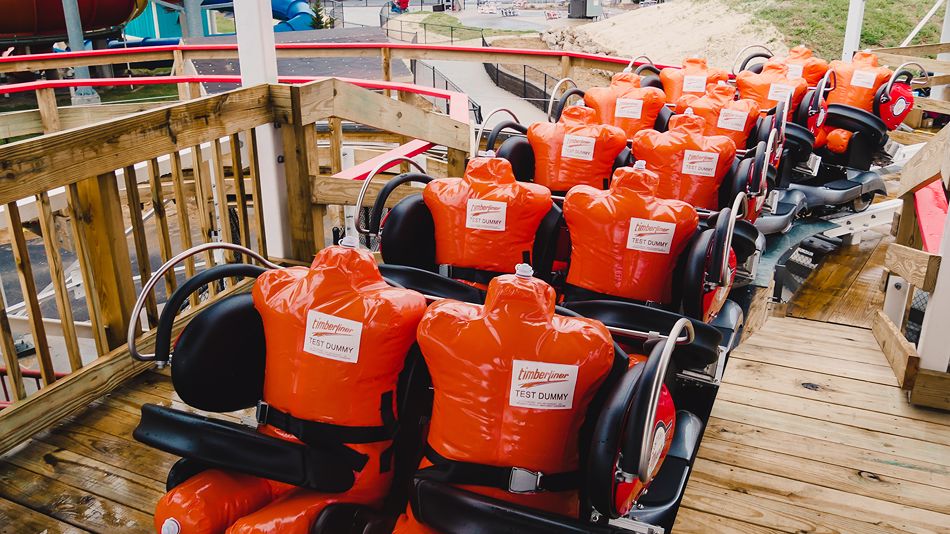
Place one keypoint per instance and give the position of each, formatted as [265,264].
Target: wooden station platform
[810,433]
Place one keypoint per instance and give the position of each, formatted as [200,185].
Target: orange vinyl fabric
[858,81]
[691,79]
[337,336]
[512,382]
[625,241]
[772,85]
[625,104]
[802,63]
[486,219]
[691,164]
[578,149]
[724,115]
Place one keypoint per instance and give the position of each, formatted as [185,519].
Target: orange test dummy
[336,336]
[512,383]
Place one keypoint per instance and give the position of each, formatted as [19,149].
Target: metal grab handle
[481,128]
[369,178]
[739,202]
[750,47]
[903,69]
[554,95]
[160,273]
[646,445]
[629,67]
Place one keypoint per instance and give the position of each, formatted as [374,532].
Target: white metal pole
[194,26]
[258,57]
[81,95]
[852,34]
[943,91]
[934,344]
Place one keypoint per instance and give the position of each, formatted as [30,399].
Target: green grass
[445,24]
[224,22]
[820,24]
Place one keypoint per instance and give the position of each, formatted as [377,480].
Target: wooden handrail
[37,62]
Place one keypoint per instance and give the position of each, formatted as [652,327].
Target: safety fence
[429,76]
[114,200]
[425,32]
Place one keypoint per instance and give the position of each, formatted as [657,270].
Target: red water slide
[31,19]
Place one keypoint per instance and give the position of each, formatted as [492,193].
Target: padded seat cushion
[430,283]
[703,351]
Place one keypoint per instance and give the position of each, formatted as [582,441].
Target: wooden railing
[176,176]
[914,261]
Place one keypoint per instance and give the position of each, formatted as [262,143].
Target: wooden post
[98,212]
[387,56]
[456,162]
[49,112]
[300,162]
[566,66]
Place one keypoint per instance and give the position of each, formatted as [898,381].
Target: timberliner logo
[650,236]
[331,337]
[578,147]
[542,386]
[328,328]
[485,214]
[700,163]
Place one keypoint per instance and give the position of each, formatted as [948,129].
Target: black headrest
[408,235]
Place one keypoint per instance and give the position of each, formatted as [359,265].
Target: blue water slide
[294,15]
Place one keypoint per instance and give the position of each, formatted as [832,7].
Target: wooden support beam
[139,240]
[98,211]
[300,148]
[330,191]
[915,50]
[916,266]
[931,389]
[932,162]
[899,352]
[387,59]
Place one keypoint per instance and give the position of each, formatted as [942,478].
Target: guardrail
[176,175]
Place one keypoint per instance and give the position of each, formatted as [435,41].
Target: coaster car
[623,425]
[838,127]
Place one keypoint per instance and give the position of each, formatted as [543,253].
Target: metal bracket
[636,526]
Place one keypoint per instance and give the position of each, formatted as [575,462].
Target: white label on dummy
[650,236]
[629,108]
[700,163]
[332,337]
[732,119]
[542,386]
[578,147]
[864,78]
[485,214]
[780,91]
[659,443]
[795,70]
[694,84]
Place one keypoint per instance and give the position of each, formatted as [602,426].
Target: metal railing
[534,85]
[428,76]
[424,32]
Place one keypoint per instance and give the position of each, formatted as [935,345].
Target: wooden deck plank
[111,450]
[846,415]
[819,296]
[16,519]
[865,296]
[75,506]
[846,479]
[805,361]
[799,425]
[766,513]
[690,521]
[829,388]
[897,517]
[106,481]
